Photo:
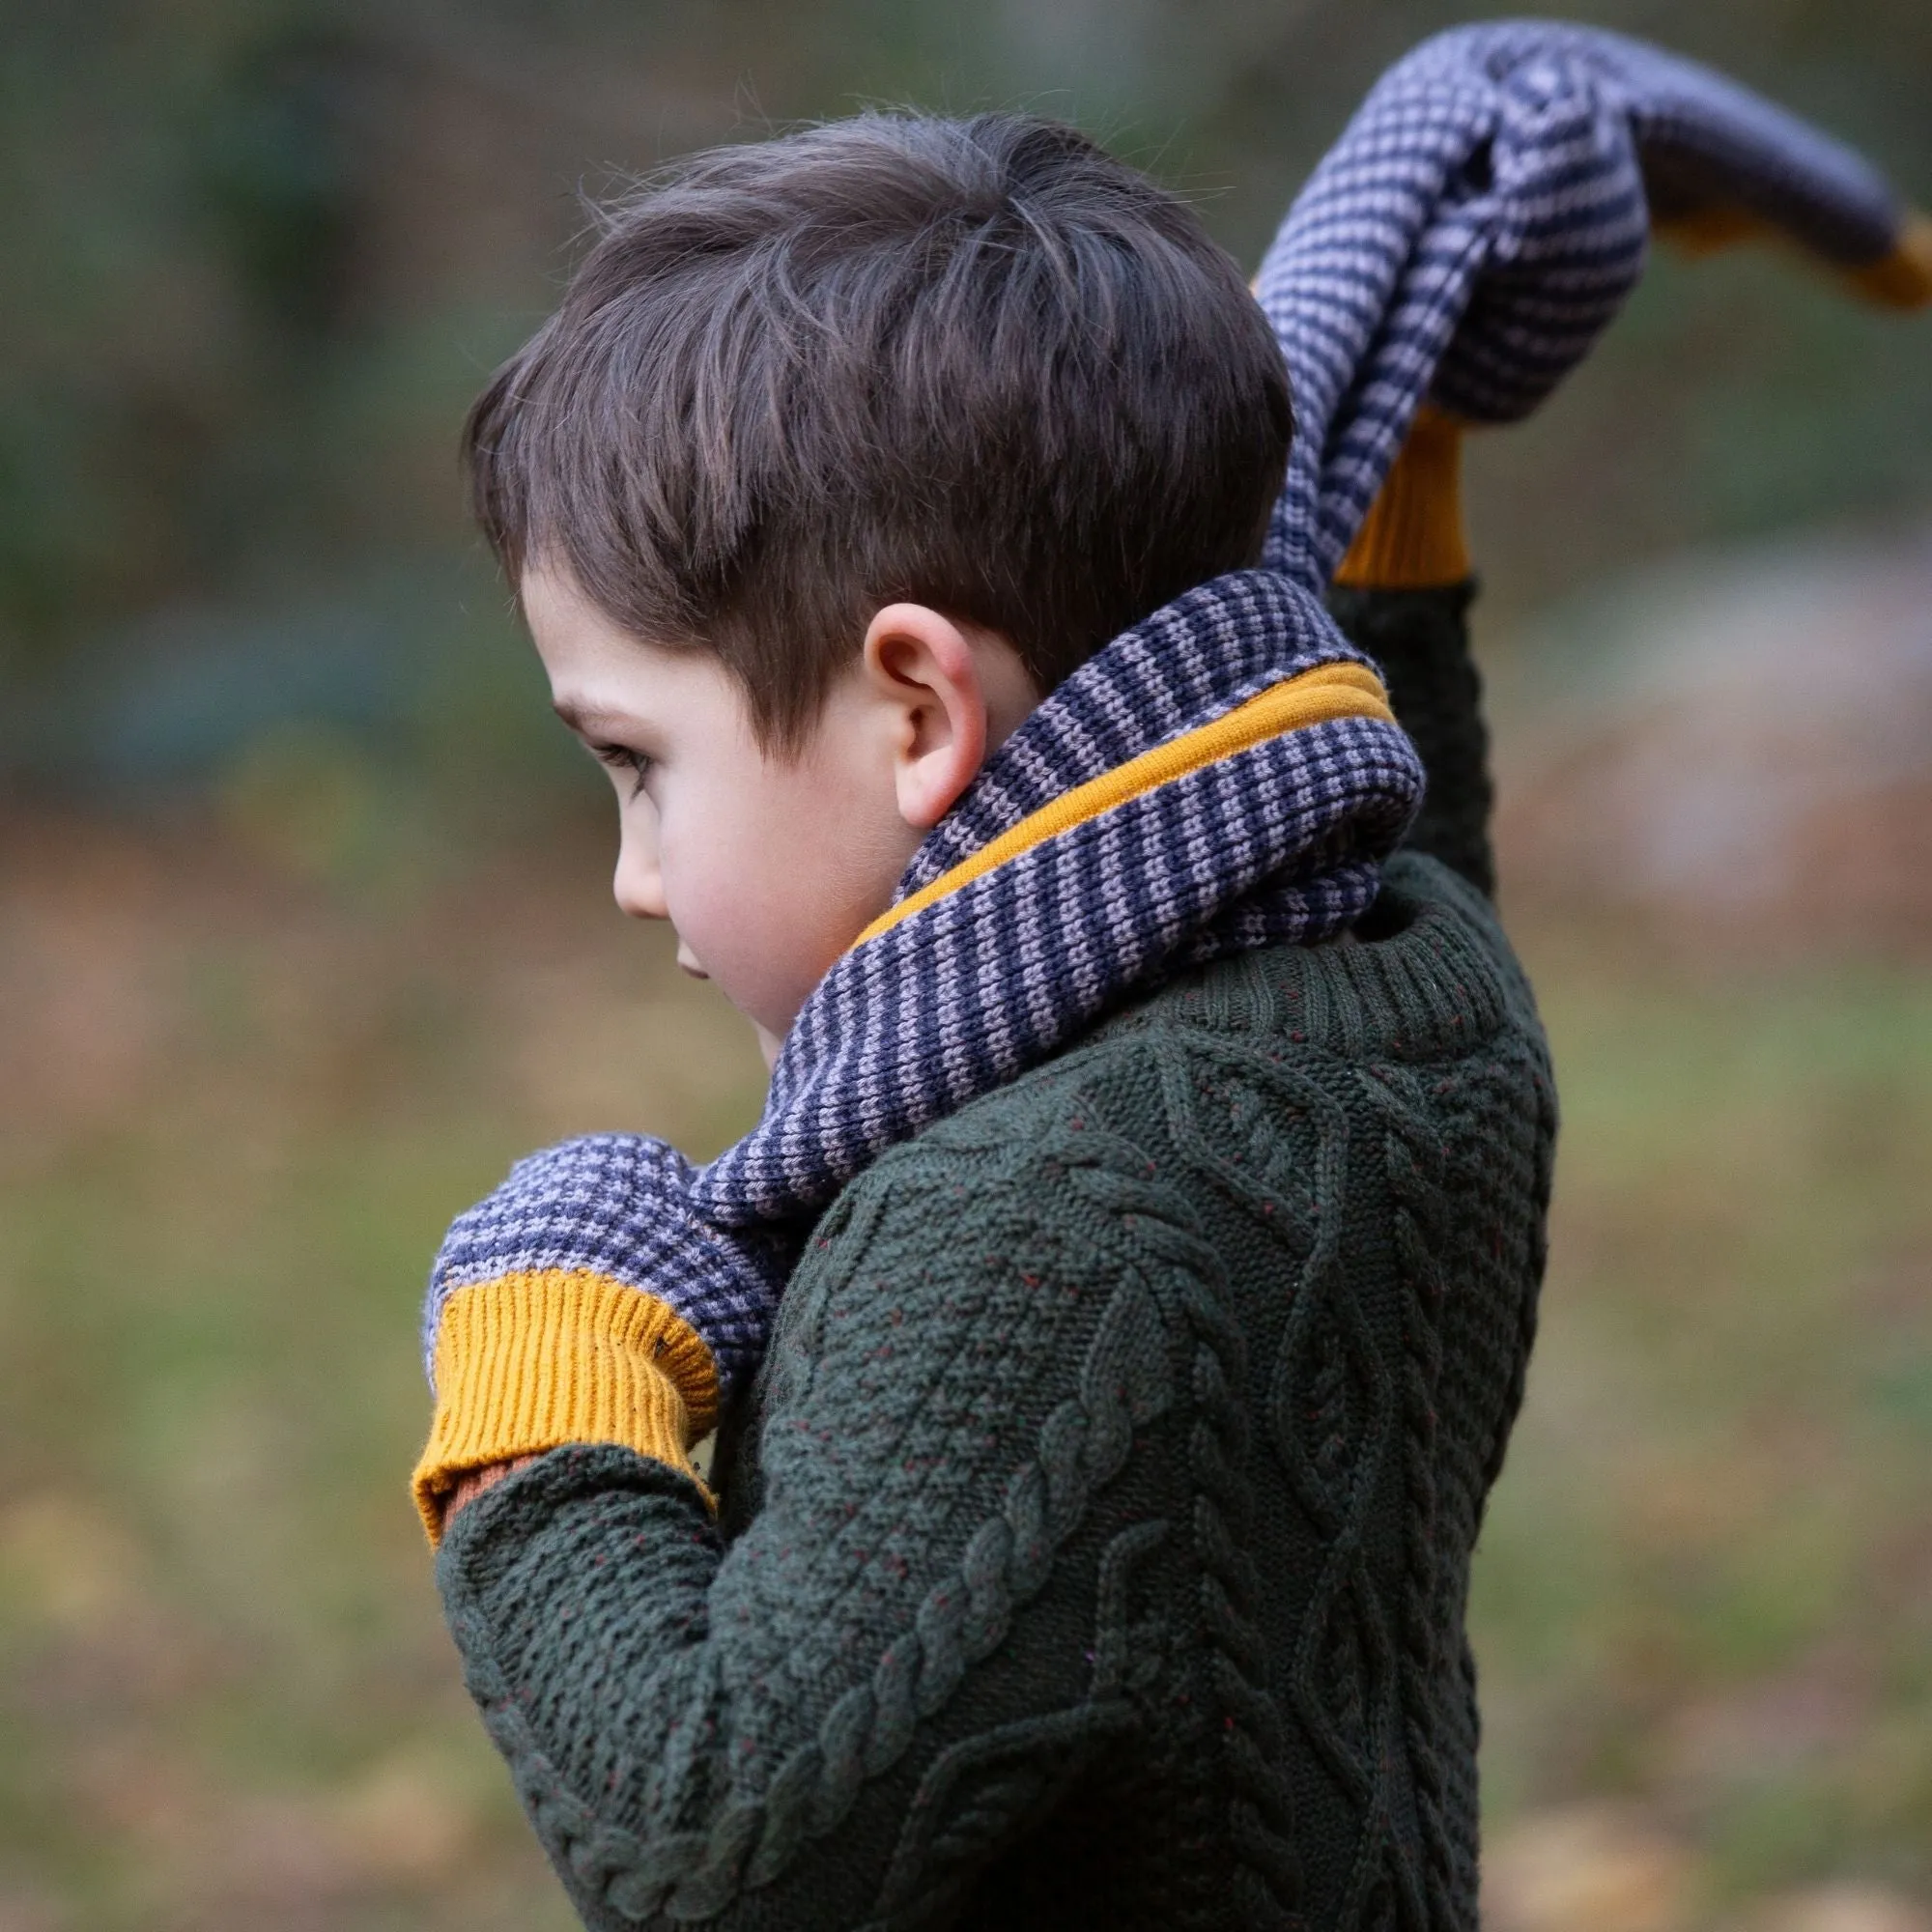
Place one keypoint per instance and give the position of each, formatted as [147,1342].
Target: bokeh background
[304,933]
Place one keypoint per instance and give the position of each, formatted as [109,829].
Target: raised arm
[1453,257]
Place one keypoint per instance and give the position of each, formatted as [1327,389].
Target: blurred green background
[304,933]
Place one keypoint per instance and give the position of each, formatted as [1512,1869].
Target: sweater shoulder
[1428,979]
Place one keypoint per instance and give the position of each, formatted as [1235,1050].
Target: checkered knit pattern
[1473,231]
[1280,841]
[1482,220]
[614,1205]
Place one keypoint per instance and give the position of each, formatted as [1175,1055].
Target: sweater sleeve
[848,1709]
[1420,638]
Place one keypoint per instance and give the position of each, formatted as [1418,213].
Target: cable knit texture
[1095,1542]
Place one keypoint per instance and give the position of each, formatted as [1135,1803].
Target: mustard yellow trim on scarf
[528,1362]
[1313,697]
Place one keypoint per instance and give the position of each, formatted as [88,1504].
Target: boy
[1155,1181]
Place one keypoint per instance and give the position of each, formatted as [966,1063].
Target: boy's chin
[769,1044]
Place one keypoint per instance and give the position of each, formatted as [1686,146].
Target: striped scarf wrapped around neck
[1227,774]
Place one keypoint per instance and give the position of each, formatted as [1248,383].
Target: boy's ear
[926,672]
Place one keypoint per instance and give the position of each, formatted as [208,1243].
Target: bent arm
[770,1732]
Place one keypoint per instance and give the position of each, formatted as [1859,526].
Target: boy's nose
[639,886]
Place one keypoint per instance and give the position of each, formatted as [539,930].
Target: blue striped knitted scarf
[1470,234]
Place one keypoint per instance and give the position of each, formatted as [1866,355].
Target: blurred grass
[1706,1581]
[255,1080]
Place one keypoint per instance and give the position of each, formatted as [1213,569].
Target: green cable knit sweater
[1094,1545]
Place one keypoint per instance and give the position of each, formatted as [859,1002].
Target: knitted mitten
[1402,590]
[583,1301]
[1411,537]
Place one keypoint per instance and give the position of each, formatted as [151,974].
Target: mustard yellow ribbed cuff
[1903,279]
[527,1362]
[1711,230]
[1411,538]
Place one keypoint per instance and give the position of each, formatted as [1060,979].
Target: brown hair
[975,364]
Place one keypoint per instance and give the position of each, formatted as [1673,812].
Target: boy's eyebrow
[586,722]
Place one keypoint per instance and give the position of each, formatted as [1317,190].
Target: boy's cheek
[768,980]
[765,951]
[772,890]
[726,932]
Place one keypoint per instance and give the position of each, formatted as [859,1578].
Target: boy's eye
[622,758]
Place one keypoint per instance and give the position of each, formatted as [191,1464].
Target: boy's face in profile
[770,863]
